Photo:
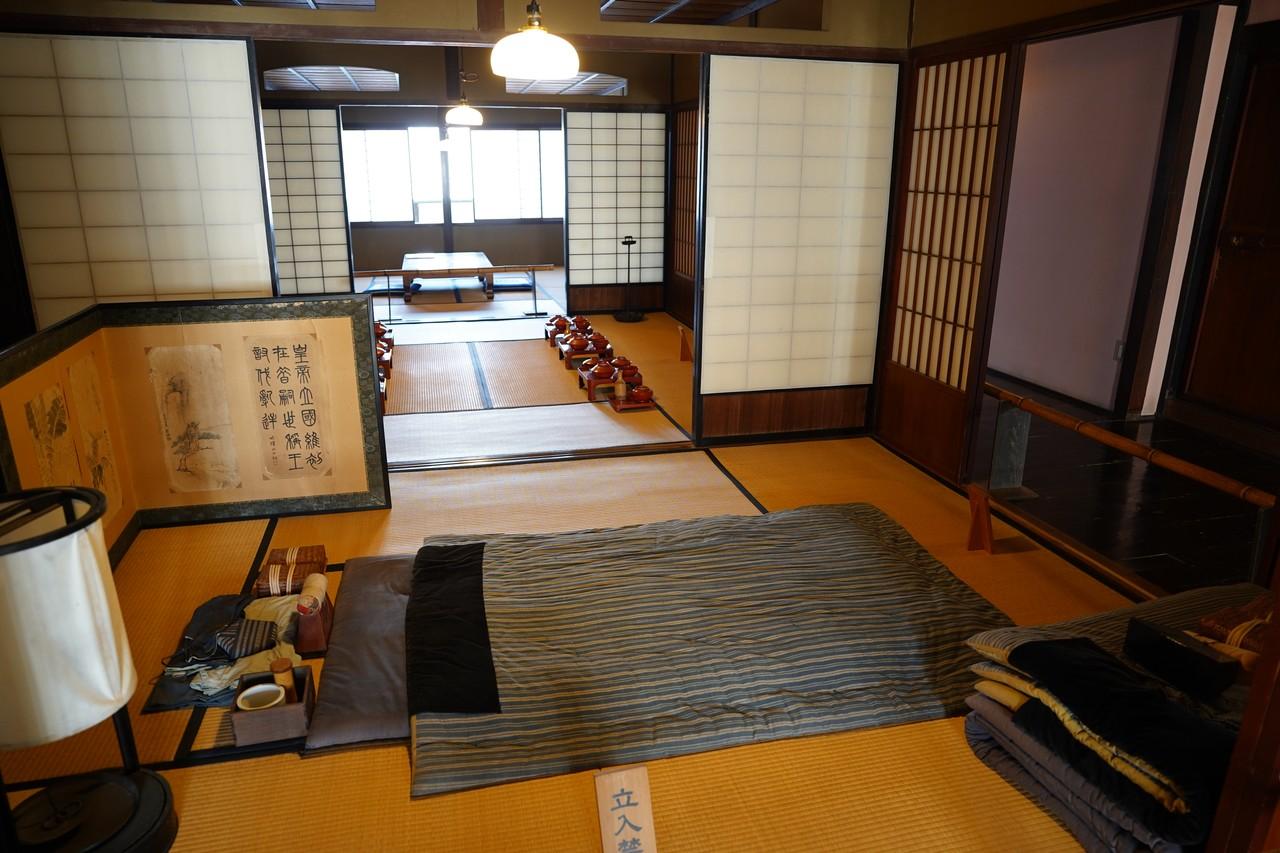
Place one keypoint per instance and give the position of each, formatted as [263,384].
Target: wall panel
[134,169]
[797,198]
[308,207]
[616,177]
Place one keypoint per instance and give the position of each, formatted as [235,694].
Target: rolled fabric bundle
[314,590]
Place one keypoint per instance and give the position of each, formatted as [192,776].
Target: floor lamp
[66,666]
[628,314]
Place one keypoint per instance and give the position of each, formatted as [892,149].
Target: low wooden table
[449,265]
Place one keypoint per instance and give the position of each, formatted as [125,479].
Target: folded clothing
[1093,814]
[1130,715]
[199,647]
[1245,627]
[245,637]
[281,612]
[1156,785]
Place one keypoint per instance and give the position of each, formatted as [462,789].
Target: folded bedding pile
[1125,761]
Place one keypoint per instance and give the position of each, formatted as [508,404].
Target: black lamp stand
[628,314]
[108,811]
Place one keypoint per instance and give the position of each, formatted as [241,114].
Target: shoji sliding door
[941,263]
[799,156]
[134,169]
[308,208]
[616,176]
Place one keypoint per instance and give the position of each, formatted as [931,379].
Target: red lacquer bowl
[640,394]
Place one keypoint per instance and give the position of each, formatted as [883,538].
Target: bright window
[398,175]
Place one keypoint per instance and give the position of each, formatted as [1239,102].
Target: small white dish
[259,697]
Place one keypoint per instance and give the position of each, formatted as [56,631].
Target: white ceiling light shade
[532,53]
[465,115]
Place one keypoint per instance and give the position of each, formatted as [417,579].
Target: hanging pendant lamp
[464,115]
[533,53]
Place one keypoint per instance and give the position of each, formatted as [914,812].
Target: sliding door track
[529,458]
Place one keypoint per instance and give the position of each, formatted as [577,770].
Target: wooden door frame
[1245,42]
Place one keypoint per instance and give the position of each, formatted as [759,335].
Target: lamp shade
[64,657]
[465,115]
[532,53]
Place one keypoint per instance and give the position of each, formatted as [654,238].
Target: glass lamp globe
[533,53]
[465,115]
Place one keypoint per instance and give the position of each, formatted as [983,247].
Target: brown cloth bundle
[286,568]
[1244,627]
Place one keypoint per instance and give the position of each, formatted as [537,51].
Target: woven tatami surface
[448,436]
[548,496]
[432,378]
[911,787]
[654,344]
[164,576]
[1032,585]
[526,373]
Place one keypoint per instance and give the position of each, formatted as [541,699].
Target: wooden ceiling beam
[741,12]
[670,10]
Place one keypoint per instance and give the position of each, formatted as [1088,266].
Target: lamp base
[629,316]
[104,812]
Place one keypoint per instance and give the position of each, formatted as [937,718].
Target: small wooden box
[283,722]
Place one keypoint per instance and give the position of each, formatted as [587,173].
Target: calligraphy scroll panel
[289,380]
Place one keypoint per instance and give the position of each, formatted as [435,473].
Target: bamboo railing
[1136,449]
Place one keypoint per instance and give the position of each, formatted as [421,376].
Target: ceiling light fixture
[464,115]
[533,53]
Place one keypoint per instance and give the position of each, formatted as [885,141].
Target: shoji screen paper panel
[798,173]
[308,208]
[616,173]
[953,143]
[134,168]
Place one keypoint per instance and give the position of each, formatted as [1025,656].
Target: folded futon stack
[1124,761]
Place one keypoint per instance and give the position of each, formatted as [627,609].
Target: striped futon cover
[627,645]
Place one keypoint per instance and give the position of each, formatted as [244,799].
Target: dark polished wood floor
[1170,530]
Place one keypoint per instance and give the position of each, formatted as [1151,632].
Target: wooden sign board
[626,812]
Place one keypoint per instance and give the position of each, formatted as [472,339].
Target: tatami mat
[654,344]
[1030,584]
[906,788]
[527,373]
[536,430]
[432,378]
[164,576]
[547,496]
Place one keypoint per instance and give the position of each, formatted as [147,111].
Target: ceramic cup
[260,697]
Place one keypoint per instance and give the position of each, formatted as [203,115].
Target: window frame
[446,202]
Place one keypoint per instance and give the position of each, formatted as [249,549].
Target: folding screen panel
[134,169]
[308,208]
[949,178]
[616,174]
[797,199]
